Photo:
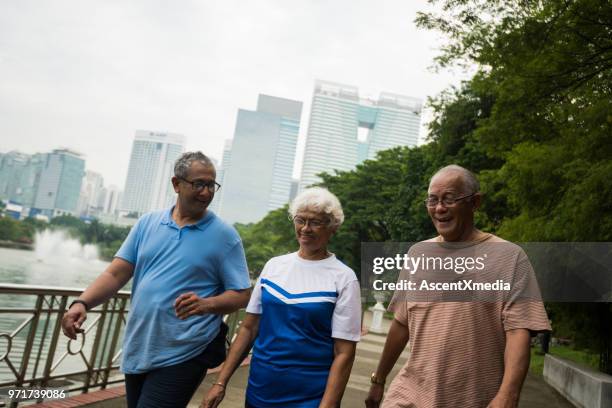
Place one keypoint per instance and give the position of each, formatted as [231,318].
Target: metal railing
[35,353]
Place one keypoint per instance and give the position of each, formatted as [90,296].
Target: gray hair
[319,200]
[182,164]
[470,182]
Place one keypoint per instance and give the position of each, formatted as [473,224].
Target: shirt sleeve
[400,311]
[129,248]
[525,309]
[346,320]
[234,271]
[254,305]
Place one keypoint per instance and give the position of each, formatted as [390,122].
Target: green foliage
[9,229]
[584,357]
[270,237]
[20,231]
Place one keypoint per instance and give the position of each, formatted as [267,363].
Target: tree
[9,229]
[548,66]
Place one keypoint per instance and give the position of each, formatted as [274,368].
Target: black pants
[173,386]
[170,387]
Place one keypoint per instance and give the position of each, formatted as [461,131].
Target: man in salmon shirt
[462,353]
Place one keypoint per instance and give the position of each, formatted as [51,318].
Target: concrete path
[536,393]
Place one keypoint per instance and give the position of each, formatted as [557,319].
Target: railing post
[34,339]
[29,342]
[95,346]
[54,339]
[114,341]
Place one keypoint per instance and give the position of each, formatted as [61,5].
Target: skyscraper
[109,199]
[60,183]
[12,166]
[345,130]
[151,167]
[30,179]
[257,170]
[91,191]
[215,205]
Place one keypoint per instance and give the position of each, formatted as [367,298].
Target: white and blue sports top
[303,305]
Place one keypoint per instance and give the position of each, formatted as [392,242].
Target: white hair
[320,200]
[470,182]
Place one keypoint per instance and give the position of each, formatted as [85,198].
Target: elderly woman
[304,317]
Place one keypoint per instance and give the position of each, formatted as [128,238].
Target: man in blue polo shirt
[189,269]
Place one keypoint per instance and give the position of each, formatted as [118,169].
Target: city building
[30,180]
[151,167]
[344,129]
[257,171]
[91,192]
[109,199]
[12,166]
[226,159]
[59,185]
[295,185]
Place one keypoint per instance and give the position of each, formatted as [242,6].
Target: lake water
[54,269]
[57,261]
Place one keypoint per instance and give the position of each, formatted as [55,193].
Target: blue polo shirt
[206,258]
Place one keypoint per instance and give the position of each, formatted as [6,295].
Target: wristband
[220,384]
[81,302]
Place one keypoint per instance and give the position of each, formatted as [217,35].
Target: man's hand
[375,396]
[214,397]
[503,401]
[73,319]
[190,304]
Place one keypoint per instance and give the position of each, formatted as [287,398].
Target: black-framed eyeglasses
[432,201]
[313,222]
[199,185]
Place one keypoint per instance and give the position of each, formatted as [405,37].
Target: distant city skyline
[87,81]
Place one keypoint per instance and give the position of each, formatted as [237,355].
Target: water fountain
[57,244]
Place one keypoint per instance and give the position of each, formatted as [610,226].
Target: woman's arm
[344,355]
[237,353]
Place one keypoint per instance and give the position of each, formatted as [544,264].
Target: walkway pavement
[536,393]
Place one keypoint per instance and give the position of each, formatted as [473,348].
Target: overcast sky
[87,74]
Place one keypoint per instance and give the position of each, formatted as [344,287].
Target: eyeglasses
[313,222]
[433,201]
[199,186]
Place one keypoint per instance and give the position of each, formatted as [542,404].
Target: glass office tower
[257,171]
[345,130]
[60,183]
[148,186]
